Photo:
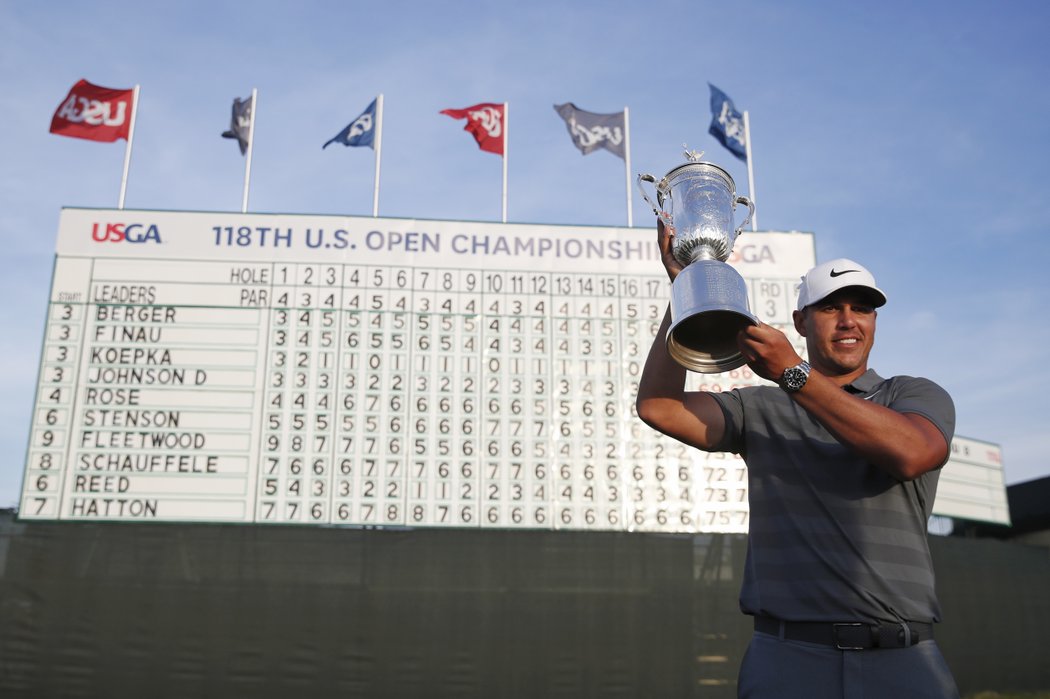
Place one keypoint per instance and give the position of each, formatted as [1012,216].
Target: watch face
[794,378]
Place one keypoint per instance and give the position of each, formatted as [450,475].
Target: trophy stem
[702,252]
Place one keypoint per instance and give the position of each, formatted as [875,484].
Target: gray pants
[796,670]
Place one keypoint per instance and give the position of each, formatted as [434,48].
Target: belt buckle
[838,643]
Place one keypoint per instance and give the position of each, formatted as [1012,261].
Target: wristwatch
[795,377]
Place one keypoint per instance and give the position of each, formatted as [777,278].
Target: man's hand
[665,239]
[767,350]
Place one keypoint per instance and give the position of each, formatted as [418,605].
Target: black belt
[847,636]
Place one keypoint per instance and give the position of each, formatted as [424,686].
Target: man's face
[839,332]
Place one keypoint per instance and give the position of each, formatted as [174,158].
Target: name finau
[128,333]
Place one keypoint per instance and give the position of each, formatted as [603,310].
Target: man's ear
[799,319]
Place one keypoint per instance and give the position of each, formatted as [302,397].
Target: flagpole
[127,148]
[627,162]
[379,149]
[251,144]
[750,170]
[506,128]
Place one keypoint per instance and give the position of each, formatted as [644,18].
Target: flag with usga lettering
[485,123]
[95,113]
[590,131]
[359,132]
[240,123]
[727,124]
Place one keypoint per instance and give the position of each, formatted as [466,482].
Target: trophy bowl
[709,304]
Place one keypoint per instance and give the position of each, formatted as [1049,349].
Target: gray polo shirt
[833,537]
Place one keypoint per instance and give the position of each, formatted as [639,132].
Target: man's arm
[693,417]
[906,445]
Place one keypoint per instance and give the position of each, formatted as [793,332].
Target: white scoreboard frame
[356,371]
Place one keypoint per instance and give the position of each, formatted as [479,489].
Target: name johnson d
[145,377]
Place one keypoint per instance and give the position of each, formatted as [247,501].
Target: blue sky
[912,137]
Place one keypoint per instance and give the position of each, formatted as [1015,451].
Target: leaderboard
[275,369]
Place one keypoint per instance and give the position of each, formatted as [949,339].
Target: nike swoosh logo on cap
[845,271]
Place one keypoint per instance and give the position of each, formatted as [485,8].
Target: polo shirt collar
[864,383]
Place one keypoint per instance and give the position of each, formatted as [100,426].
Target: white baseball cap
[828,277]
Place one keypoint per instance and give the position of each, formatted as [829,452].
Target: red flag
[485,122]
[95,113]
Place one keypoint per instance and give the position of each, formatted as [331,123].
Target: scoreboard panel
[372,372]
[359,371]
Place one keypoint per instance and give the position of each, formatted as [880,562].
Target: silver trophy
[708,298]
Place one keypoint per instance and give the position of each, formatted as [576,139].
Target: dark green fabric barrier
[133,610]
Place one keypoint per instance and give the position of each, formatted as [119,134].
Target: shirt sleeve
[924,397]
[732,405]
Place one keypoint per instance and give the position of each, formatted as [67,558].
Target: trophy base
[708,309]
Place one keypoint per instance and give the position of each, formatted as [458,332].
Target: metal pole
[627,163]
[379,148]
[750,171]
[251,144]
[127,148]
[506,128]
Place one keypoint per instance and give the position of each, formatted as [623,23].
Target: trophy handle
[750,211]
[656,210]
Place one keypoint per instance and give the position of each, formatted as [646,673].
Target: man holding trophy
[842,463]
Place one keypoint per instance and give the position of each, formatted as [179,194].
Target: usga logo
[125,232]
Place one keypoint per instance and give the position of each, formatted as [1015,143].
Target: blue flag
[359,132]
[727,124]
